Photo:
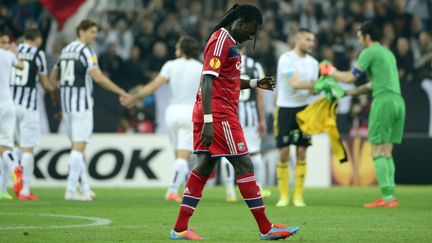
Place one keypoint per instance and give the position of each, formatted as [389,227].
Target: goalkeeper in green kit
[387,114]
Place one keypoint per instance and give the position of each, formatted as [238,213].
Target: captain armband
[357,72]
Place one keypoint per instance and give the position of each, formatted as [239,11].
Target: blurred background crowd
[138,36]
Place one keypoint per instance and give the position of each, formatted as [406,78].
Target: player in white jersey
[251,114]
[183,77]
[24,93]
[76,69]
[8,60]
[297,71]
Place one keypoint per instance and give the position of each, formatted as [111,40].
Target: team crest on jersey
[241,146]
[215,63]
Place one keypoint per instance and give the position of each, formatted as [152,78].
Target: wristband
[208,118]
[253,83]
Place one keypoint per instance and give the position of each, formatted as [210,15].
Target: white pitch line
[96,222]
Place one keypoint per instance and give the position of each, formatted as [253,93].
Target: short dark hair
[32,34]
[371,29]
[2,33]
[85,25]
[243,11]
[305,30]
[189,46]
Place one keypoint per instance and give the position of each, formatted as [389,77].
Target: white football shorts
[252,139]
[178,120]
[79,125]
[27,129]
[7,124]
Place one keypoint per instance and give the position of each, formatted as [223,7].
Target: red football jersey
[222,60]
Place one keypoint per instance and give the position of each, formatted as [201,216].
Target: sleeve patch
[215,63]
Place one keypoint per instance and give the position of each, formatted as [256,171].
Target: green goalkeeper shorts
[386,119]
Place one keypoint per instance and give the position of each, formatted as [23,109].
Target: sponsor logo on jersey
[215,63]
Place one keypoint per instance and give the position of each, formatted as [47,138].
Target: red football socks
[191,196]
[252,196]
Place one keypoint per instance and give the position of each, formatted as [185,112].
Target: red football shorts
[228,139]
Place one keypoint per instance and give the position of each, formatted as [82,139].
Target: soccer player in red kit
[217,131]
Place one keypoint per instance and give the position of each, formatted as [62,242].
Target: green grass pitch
[141,215]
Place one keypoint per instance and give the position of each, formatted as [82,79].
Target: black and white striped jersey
[248,111]
[76,84]
[23,81]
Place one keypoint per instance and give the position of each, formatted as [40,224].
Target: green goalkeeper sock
[383,177]
[392,170]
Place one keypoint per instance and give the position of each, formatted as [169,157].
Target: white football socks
[75,164]
[27,163]
[229,176]
[85,185]
[181,169]
[258,164]
[4,167]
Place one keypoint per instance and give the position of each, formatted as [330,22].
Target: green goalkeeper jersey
[379,63]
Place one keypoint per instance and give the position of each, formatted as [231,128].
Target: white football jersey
[184,77]
[307,69]
[7,60]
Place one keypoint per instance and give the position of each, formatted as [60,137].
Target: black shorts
[286,129]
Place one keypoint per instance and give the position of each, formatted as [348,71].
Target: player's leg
[181,136]
[254,145]
[395,138]
[76,158]
[83,129]
[300,176]
[28,137]
[281,131]
[381,118]
[192,195]
[7,129]
[179,175]
[27,162]
[228,179]
[245,177]
[251,194]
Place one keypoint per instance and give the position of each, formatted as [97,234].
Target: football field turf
[141,215]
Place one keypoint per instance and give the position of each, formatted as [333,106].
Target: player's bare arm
[146,90]
[344,76]
[363,89]
[107,84]
[50,87]
[267,83]
[55,76]
[207,94]
[294,81]
[46,84]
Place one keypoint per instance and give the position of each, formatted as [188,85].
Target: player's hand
[262,129]
[267,83]
[326,69]
[55,98]
[128,101]
[207,134]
